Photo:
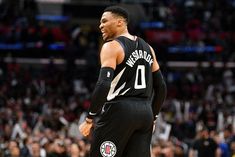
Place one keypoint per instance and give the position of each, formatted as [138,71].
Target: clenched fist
[85,128]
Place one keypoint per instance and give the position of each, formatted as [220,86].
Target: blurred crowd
[42,106]
[40,111]
[195,23]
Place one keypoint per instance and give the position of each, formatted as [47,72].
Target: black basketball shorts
[124,130]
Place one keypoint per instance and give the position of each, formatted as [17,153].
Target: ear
[120,22]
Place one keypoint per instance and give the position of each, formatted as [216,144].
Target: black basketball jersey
[133,77]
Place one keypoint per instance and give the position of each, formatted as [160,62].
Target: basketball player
[129,77]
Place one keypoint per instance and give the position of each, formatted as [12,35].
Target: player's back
[133,77]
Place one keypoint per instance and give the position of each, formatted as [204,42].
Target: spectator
[204,145]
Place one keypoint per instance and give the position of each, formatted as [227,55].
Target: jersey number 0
[140,82]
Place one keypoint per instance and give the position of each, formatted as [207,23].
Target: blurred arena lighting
[137,1]
[205,64]
[52,18]
[57,46]
[15,46]
[53,1]
[32,45]
[195,49]
[175,64]
[42,61]
[153,24]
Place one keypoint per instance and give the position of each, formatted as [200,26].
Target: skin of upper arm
[155,65]
[110,54]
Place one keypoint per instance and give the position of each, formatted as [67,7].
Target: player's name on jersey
[139,54]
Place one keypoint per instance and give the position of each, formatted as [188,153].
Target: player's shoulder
[111,45]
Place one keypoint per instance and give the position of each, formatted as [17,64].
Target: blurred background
[49,65]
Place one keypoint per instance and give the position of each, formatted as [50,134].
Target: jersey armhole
[123,47]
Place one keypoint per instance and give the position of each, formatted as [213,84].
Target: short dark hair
[118,10]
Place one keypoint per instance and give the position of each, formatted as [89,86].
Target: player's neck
[127,35]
